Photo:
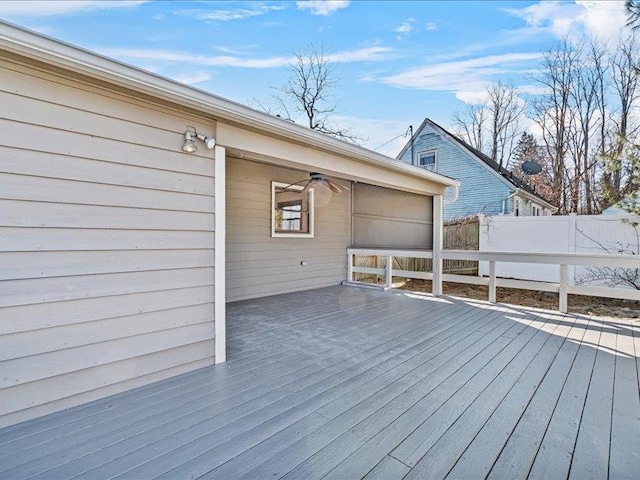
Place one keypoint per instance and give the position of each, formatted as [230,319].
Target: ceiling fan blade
[332,186]
[307,187]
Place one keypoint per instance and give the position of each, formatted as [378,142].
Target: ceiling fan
[317,179]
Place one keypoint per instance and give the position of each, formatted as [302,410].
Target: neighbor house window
[291,211]
[428,160]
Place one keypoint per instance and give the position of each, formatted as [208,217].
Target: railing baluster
[492,282]
[389,271]
[350,267]
[564,277]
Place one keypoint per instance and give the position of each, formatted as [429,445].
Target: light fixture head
[210,142]
[189,145]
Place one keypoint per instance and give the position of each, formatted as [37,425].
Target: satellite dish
[531,168]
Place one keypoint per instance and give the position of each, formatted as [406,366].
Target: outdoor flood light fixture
[190,135]
[210,142]
[189,145]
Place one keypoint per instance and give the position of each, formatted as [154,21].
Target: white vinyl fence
[586,234]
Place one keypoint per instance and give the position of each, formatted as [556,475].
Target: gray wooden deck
[352,383]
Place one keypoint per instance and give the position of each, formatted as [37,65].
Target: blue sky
[397,62]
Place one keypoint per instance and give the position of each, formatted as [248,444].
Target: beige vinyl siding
[106,243]
[259,265]
[390,218]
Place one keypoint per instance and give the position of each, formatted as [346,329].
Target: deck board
[351,383]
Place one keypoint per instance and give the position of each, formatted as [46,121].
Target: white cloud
[431,26]
[48,8]
[348,56]
[473,97]
[193,78]
[574,20]
[322,7]
[404,27]
[230,14]
[470,75]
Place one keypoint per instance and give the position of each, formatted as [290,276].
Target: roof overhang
[53,52]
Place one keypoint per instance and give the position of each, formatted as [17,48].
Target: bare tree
[505,109]
[587,103]
[492,126]
[552,112]
[470,124]
[618,178]
[309,93]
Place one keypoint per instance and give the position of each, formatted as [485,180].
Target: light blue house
[486,188]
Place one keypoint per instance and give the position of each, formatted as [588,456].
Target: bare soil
[598,306]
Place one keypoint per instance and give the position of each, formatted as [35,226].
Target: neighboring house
[486,187]
[120,244]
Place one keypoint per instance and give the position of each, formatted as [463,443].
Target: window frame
[433,151]
[311,208]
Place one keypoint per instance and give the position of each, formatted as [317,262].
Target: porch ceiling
[350,383]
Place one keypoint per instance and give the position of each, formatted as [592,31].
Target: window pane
[291,213]
[427,160]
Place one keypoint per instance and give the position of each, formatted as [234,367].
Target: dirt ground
[602,307]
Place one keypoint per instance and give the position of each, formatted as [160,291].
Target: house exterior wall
[481,191]
[106,243]
[258,264]
[388,218]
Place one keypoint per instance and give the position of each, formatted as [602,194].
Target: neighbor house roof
[45,49]
[505,174]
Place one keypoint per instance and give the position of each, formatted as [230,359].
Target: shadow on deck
[351,383]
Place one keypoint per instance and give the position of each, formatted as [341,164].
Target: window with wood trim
[428,160]
[291,211]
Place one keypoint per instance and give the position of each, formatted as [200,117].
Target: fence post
[572,229]
[350,267]
[389,271]
[438,236]
[563,307]
[492,281]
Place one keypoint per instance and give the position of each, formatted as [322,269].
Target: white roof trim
[54,52]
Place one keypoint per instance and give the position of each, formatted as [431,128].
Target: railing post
[389,281]
[350,267]
[438,237]
[492,281]
[564,276]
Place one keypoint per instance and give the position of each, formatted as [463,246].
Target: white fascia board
[536,199]
[54,52]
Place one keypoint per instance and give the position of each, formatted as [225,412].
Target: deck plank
[591,452]
[624,457]
[349,383]
[392,436]
[553,458]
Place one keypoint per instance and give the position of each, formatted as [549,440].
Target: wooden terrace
[345,383]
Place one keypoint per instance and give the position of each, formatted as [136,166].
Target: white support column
[220,297]
[438,235]
[350,267]
[492,282]
[564,301]
[389,280]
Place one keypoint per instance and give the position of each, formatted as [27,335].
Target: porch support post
[220,298]
[564,277]
[389,282]
[438,219]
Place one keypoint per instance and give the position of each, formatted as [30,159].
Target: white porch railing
[563,260]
